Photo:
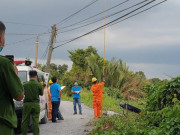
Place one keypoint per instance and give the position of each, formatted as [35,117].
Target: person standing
[32,90]
[97,89]
[10,88]
[76,90]
[55,90]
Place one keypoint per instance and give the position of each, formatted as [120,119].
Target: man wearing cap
[97,89]
[10,88]
[32,90]
[76,90]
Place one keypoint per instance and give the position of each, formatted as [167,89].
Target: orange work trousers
[49,105]
[50,111]
[97,106]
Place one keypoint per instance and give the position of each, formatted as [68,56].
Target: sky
[148,42]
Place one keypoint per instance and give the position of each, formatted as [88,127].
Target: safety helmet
[94,79]
[50,82]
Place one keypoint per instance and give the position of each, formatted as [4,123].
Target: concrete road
[71,125]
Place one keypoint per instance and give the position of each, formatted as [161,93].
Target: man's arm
[20,97]
[14,86]
[72,91]
[60,93]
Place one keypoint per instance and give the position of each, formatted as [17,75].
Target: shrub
[113,92]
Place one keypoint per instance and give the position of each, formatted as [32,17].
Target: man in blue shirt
[76,90]
[55,90]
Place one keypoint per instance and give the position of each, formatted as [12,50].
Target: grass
[106,125]
[111,103]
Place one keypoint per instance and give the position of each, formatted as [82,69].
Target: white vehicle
[42,77]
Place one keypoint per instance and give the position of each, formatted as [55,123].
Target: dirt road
[71,125]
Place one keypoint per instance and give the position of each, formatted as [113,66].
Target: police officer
[32,90]
[10,88]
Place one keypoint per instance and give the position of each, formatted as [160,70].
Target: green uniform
[32,90]
[10,87]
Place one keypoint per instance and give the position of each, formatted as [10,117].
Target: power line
[27,34]
[20,34]
[115,21]
[20,41]
[99,28]
[97,20]
[140,12]
[27,24]
[69,17]
[93,15]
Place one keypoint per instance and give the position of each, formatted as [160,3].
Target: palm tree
[93,63]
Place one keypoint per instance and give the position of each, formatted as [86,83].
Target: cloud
[162,71]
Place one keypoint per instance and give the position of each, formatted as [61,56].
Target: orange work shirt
[97,90]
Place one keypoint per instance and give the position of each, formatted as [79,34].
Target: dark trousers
[78,101]
[55,108]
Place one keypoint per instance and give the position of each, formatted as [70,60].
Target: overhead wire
[43,57]
[20,41]
[20,34]
[26,34]
[104,39]
[113,22]
[139,12]
[27,24]
[80,22]
[99,28]
[102,18]
[69,17]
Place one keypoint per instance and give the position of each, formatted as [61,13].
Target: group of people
[12,88]
[54,94]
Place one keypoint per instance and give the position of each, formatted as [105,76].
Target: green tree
[41,67]
[78,56]
[58,70]
[55,70]
[80,71]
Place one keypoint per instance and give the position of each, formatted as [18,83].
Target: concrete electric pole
[53,36]
[36,55]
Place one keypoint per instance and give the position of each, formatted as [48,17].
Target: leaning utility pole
[36,55]
[53,36]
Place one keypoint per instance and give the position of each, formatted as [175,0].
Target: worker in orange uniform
[49,101]
[97,89]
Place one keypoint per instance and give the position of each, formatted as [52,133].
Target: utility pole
[53,36]
[36,55]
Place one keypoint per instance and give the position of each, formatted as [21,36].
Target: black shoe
[61,118]
[74,113]
[80,113]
